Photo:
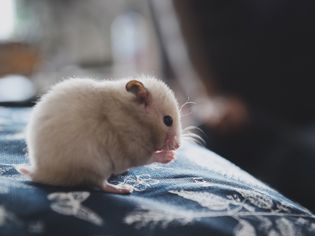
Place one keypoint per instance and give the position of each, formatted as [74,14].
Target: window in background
[7,19]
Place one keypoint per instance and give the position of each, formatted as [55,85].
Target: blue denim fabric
[199,193]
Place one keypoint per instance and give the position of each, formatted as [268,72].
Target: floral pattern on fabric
[199,193]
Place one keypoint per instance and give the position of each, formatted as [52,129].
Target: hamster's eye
[168,120]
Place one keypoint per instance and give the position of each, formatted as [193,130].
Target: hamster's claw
[119,189]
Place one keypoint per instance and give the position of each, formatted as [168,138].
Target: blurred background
[245,68]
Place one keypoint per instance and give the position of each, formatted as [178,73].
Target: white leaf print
[301,221]
[36,227]
[65,208]
[80,196]
[273,233]
[15,174]
[138,182]
[59,196]
[148,216]
[202,182]
[70,204]
[258,199]
[6,216]
[282,207]
[265,223]
[3,215]
[155,213]
[205,199]
[244,228]
[4,169]
[87,214]
[286,228]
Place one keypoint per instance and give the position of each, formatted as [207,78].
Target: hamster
[83,131]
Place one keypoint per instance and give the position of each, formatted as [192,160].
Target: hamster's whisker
[192,128]
[185,104]
[190,133]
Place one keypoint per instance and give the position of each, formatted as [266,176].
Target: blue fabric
[199,193]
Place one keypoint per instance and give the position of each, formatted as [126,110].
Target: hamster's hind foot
[119,189]
[24,169]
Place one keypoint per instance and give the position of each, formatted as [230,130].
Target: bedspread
[200,193]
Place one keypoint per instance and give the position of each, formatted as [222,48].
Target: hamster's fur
[83,131]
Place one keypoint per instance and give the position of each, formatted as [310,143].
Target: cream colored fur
[83,130]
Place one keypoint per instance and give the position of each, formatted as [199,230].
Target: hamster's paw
[119,189]
[164,156]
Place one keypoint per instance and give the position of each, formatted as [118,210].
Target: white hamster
[83,131]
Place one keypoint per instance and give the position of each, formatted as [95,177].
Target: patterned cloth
[199,193]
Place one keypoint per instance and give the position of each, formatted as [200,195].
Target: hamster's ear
[138,89]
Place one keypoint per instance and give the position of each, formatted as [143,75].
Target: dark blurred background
[247,65]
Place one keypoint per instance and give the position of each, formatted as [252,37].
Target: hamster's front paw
[164,156]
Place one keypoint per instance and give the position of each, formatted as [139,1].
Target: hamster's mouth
[165,149]
[166,153]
